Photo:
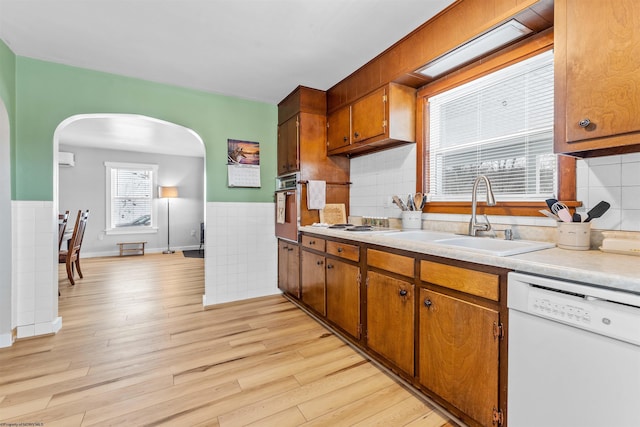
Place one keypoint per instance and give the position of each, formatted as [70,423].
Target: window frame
[153,228]
[566,168]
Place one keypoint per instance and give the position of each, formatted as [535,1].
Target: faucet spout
[474,225]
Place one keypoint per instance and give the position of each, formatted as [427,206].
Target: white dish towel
[316,194]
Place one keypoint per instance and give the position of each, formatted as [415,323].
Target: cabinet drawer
[313,243]
[344,250]
[485,285]
[391,262]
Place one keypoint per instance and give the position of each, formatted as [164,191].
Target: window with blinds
[501,126]
[130,195]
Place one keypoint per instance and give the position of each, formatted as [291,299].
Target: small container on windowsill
[411,220]
[574,235]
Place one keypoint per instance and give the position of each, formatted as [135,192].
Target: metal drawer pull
[584,123]
[403,292]
[427,303]
[329,266]
[339,250]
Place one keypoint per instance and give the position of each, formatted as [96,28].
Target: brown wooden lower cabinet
[343,295]
[289,268]
[313,281]
[459,352]
[438,323]
[390,319]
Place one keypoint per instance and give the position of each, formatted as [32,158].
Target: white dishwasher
[574,354]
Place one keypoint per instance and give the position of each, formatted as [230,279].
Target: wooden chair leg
[70,272]
[78,267]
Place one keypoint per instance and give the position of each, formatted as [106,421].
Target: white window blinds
[131,197]
[501,126]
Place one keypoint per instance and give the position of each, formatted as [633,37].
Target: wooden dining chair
[71,256]
[62,227]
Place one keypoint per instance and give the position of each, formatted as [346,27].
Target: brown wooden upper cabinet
[597,58]
[301,121]
[288,146]
[383,118]
[339,129]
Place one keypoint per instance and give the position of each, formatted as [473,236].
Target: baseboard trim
[219,305]
[7,339]
[116,252]
[39,329]
[233,303]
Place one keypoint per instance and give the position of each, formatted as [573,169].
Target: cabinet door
[289,268]
[390,317]
[288,143]
[602,48]
[313,281]
[293,270]
[343,295]
[368,116]
[283,267]
[339,129]
[458,353]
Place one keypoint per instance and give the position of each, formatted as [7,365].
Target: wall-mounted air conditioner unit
[66,160]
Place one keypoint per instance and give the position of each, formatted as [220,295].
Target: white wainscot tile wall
[35,268]
[615,179]
[241,254]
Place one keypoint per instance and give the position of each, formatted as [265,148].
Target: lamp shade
[167,192]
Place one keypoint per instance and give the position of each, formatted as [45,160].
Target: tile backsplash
[615,179]
[378,176]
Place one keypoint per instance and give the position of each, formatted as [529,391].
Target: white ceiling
[131,132]
[253,49]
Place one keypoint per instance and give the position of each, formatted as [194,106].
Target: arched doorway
[130,138]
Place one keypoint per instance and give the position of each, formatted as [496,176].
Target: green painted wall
[48,93]
[7,94]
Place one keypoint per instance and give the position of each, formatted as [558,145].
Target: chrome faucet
[474,225]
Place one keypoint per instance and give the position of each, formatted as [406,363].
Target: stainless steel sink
[485,245]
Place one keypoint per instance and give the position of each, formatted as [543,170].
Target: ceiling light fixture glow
[500,36]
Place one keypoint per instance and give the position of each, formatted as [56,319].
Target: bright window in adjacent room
[130,197]
[499,125]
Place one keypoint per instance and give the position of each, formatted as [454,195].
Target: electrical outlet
[193,233]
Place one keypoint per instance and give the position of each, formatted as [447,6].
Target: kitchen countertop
[593,267]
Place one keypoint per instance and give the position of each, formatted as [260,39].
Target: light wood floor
[137,348]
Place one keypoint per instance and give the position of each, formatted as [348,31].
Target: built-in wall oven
[288,206]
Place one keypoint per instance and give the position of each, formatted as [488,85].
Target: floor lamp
[168,193]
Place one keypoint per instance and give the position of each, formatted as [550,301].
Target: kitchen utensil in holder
[574,235]
[411,220]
